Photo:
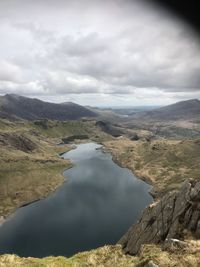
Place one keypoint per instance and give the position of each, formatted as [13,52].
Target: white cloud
[33,88]
[10,72]
[119,49]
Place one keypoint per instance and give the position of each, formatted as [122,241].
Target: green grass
[63,128]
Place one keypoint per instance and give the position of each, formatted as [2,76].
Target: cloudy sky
[97,52]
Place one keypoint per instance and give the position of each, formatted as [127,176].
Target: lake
[95,206]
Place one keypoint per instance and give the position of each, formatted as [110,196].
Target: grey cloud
[82,46]
[169,62]
[10,72]
[95,47]
[36,30]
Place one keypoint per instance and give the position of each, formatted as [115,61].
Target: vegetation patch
[164,163]
[113,256]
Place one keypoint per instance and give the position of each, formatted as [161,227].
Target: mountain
[185,110]
[18,107]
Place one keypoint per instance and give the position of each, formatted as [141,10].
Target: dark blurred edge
[188,10]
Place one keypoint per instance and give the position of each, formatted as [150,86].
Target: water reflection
[95,206]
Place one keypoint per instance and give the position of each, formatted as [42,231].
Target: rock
[151,264]
[173,245]
[195,192]
[71,138]
[17,141]
[135,137]
[109,128]
[167,219]
[42,123]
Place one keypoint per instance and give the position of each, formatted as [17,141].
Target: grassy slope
[28,175]
[105,256]
[65,128]
[166,163]
[180,129]
[157,161]
[112,256]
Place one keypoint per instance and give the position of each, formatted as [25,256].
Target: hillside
[29,152]
[19,107]
[184,110]
[164,163]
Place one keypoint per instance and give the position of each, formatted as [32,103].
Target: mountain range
[183,110]
[18,107]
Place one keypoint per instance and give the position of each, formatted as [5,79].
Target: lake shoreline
[139,176]
[5,217]
[108,187]
[104,149]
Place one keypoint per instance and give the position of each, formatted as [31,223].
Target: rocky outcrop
[109,128]
[17,141]
[177,214]
[135,137]
[72,138]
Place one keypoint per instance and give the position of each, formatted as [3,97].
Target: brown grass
[164,163]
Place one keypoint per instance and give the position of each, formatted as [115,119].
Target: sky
[97,52]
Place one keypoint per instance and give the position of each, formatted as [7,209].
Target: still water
[95,206]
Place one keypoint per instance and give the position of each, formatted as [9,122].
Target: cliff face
[176,215]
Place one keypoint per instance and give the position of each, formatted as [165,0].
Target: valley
[93,197]
[99,133]
[163,151]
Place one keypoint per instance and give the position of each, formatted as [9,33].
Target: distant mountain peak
[12,96]
[69,103]
[193,100]
[183,110]
[16,106]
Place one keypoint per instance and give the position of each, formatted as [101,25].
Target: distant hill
[186,110]
[18,107]
[128,111]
